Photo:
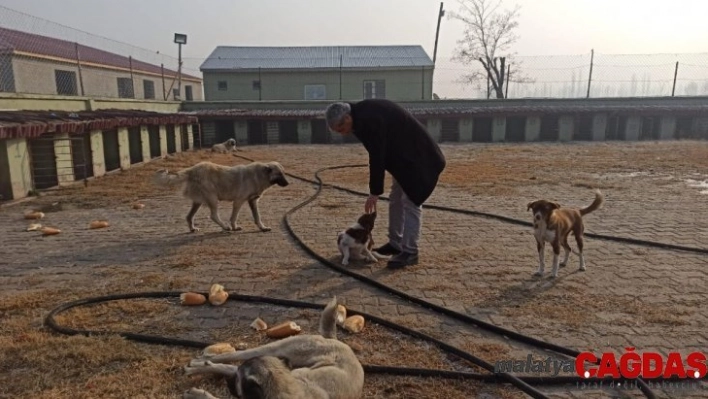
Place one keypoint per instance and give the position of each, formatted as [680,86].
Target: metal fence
[42,57]
[586,75]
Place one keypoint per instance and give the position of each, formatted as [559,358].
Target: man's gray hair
[336,112]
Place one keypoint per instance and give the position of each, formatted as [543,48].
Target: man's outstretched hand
[370,205]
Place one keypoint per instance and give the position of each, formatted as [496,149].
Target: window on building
[315,92]
[256,85]
[175,93]
[188,94]
[125,88]
[66,83]
[374,89]
[222,85]
[149,89]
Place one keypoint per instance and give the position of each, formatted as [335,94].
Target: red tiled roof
[14,40]
[30,124]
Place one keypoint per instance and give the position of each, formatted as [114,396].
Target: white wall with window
[374,89]
[316,92]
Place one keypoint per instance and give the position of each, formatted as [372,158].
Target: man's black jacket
[399,144]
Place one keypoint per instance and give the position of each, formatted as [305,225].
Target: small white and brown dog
[357,241]
[553,223]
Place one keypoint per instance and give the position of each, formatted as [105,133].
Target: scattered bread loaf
[138,205]
[98,224]
[34,215]
[217,349]
[354,324]
[192,298]
[283,330]
[259,324]
[49,231]
[34,227]
[217,295]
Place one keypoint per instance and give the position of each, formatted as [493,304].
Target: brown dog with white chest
[553,224]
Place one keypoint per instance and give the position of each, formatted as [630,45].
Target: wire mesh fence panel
[42,57]
[580,76]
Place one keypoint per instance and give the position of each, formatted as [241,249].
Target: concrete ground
[630,296]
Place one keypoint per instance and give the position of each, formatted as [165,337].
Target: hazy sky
[546,26]
[568,28]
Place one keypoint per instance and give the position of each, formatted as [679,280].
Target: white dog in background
[227,146]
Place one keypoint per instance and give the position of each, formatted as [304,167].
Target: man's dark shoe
[387,250]
[402,260]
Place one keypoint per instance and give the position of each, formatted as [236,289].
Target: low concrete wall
[15,155]
[19,168]
[532,129]
[432,104]
[304,132]
[64,160]
[35,102]
[124,148]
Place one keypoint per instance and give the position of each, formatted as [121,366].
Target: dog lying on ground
[356,241]
[227,146]
[207,183]
[553,223]
[305,366]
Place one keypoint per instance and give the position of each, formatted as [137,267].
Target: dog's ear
[251,387]
[286,362]
[555,205]
[530,205]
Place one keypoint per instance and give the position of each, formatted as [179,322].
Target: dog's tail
[596,204]
[379,256]
[165,178]
[328,320]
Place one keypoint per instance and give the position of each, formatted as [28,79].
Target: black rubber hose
[520,382]
[507,219]
[50,322]
[490,327]
[456,315]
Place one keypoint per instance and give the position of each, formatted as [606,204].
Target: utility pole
[180,39]
[437,32]
[592,60]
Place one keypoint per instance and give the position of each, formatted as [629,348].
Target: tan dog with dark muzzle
[208,183]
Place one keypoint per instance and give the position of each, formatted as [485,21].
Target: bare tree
[488,35]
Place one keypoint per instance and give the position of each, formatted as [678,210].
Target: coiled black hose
[523,383]
[507,219]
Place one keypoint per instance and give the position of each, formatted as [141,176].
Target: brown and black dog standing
[553,223]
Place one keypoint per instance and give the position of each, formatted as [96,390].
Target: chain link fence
[42,57]
[580,76]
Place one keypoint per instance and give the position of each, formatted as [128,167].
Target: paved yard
[630,295]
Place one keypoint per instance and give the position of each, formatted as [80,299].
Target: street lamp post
[180,39]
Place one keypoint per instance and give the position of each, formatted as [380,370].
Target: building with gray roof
[399,73]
